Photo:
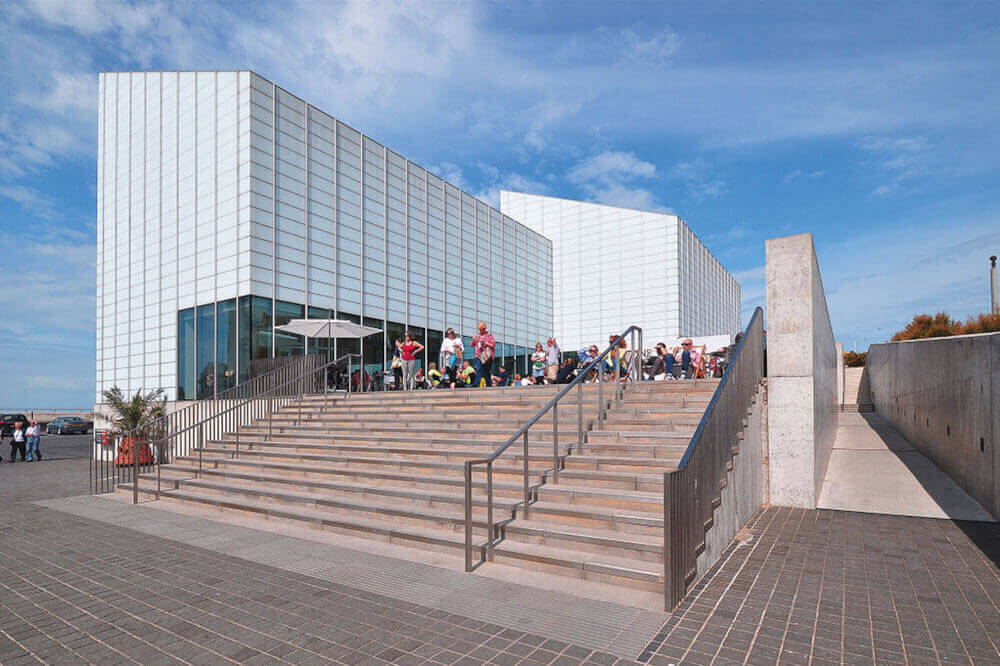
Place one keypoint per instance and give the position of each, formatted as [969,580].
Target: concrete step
[530,546]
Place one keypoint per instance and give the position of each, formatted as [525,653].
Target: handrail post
[579,417]
[468,515]
[600,395]
[158,466]
[669,593]
[555,441]
[201,447]
[135,471]
[489,511]
[527,495]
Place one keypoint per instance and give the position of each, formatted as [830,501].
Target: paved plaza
[92,580]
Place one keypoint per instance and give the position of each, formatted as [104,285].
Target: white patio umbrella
[327,328]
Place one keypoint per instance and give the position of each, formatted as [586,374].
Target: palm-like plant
[137,416]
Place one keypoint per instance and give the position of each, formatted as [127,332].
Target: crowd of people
[458,367]
[24,440]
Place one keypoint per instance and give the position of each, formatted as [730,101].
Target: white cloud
[800,174]
[700,179]
[655,50]
[610,167]
[29,199]
[609,178]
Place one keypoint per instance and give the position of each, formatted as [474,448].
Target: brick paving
[831,587]
[808,587]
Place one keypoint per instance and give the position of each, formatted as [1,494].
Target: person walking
[34,433]
[18,442]
[553,357]
[538,363]
[485,346]
[409,350]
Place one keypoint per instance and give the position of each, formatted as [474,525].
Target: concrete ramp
[873,469]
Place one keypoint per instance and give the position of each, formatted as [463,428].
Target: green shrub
[855,359]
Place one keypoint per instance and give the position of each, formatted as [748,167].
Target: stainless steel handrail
[689,491]
[173,427]
[635,372]
[104,472]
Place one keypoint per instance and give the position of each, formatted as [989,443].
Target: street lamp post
[994,288]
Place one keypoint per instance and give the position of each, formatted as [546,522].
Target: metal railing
[690,492]
[595,367]
[159,441]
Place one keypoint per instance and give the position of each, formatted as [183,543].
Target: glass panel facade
[226,345]
[394,332]
[205,328]
[323,347]
[287,344]
[185,355]
[373,348]
[261,327]
[244,338]
[434,340]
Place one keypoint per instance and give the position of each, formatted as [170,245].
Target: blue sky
[872,125]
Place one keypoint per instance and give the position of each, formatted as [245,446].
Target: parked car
[68,425]
[7,422]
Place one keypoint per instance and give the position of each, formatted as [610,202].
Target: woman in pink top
[485,347]
[409,350]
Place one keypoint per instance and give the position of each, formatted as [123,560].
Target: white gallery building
[227,206]
[614,267]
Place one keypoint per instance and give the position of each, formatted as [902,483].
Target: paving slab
[874,469]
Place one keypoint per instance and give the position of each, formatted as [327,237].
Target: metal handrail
[522,433]
[689,491]
[219,421]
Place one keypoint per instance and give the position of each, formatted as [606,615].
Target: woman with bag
[485,346]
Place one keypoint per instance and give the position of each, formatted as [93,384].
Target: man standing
[553,358]
[34,434]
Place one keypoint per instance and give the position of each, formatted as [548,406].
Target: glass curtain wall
[244,338]
[226,345]
[261,327]
[218,342]
[373,348]
[185,355]
[434,340]
[205,328]
[321,346]
[287,344]
[349,346]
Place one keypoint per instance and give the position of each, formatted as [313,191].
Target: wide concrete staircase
[390,466]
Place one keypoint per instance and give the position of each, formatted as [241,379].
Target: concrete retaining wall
[942,395]
[745,491]
[802,373]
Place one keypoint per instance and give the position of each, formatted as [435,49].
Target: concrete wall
[802,373]
[942,395]
[745,491]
